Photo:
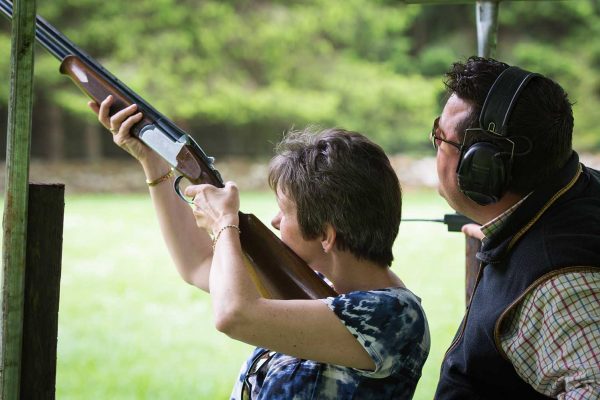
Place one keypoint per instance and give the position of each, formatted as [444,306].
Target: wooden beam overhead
[450,2]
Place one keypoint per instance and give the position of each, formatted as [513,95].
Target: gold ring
[114,131]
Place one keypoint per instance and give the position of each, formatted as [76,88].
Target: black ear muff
[483,173]
[484,168]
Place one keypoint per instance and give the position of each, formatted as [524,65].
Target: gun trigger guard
[178,189]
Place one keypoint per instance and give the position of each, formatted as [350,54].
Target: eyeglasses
[434,138]
[260,360]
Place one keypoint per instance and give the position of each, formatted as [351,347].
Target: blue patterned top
[389,323]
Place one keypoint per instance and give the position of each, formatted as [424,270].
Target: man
[504,159]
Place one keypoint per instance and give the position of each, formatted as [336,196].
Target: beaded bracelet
[161,179]
[216,237]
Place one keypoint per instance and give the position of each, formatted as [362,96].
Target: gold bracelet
[216,237]
[161,179]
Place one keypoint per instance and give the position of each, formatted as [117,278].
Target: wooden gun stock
[275,269]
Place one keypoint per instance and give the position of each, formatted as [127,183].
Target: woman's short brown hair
[340,178]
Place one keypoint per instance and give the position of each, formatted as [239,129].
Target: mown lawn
[129,328]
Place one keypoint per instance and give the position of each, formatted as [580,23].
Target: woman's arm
[306,329]
[189,247]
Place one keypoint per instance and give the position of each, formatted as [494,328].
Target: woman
[339,210]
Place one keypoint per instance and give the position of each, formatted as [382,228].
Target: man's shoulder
[555,293]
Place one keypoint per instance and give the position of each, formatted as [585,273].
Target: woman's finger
[201,218]
[231,186]
[95,107]
[192,190]
[117,119]
[103,111]
[130,122]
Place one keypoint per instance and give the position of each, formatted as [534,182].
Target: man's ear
[328,238]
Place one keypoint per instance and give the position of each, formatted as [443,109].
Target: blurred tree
[560,40]
[556,38]
[238,73]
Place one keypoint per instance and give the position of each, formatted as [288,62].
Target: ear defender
[484,168]
[483,173]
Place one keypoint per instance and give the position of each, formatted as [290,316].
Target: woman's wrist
[155,170]
[225,220]
[217,235]
[163,178]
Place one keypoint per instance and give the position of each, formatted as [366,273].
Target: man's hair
[542,114]
[340,178]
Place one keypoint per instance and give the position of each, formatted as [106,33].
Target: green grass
[130,328]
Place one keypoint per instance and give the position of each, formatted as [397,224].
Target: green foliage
[557,39]
[434,60]
[546,18]
[393,110]
[241,69]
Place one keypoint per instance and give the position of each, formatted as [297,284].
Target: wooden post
[15,206]
[42,289]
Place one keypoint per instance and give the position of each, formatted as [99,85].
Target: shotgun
[275,269]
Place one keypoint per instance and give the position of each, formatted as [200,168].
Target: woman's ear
[328,238]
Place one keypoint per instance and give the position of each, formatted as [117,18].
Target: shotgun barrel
[275,269]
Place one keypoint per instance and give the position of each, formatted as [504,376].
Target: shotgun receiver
[275,269]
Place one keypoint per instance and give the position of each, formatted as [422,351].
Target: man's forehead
[455,111]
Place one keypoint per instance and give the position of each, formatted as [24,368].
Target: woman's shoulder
[397,299]
[391,326]
[395,313]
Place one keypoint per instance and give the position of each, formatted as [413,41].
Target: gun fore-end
[97,87]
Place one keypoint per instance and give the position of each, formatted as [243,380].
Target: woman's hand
[215,207]
[120,125]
